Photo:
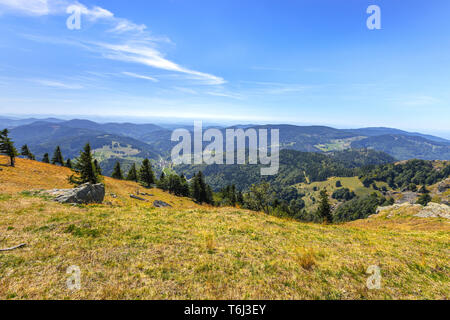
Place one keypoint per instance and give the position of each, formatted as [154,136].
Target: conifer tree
[424,199]
[46,159]
[184,186]
[324,210]
[132,173]
[97,167]
[195,189]
[7,147]
[162,182]
[146,175]
[117,172]
[57,157]
[200,191]
[69,163]
[85,168]
[209,198]
[25,151]
[240,198]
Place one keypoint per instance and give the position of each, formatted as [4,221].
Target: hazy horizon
[208,122]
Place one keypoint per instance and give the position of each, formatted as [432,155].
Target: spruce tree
[57,157]
[162,182]
[117,172]
[184,186]
[146,176]
[69,163]
[45,159]
[199,189]
[195,189]
[424,199]
[7,147]
[97,167]
[25,151]
[132,173]
[324,210]
[240,198]
[209,196]
[85,168]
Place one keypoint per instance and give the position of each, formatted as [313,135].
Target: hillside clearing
[127,249]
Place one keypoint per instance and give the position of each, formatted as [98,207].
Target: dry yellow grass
[128,250]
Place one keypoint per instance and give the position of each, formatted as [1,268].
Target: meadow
[127,249]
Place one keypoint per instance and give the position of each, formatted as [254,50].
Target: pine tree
[117,172]
[184,186]
[45,159]
[233,195]
[200,191]
[424,189]
[85,168]
[132,173]
[209,196]
[69,163]
[240,198]
[196,189]
[7,147]
[25,151]
[57,157]
[97,167]
[146,176]
[324,210]
[424,199]
[162,182]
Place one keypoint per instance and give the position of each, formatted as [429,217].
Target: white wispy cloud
[142,49]
[224,94]
[28,7]
[139,76]
[56,84]
[137,52]
[124,25]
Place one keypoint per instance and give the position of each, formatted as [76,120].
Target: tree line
[87,170]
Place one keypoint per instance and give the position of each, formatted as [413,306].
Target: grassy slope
[128,250]
[352,183]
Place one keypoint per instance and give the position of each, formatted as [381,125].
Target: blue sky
[305,62]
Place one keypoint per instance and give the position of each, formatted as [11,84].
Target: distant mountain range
[130,142]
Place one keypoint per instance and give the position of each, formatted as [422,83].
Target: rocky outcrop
[432,210]
[161,204]
[407,197]
[435,210]
[444,186]
[83,194]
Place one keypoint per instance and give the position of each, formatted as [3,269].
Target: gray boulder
[161,204]
[83,194]
[442,187]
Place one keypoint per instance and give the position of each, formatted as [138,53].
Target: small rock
[161,204]
[442,187]
[137,198]
[146,194]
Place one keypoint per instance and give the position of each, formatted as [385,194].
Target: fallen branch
[13,248]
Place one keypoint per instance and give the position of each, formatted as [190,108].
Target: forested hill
[406,147]
[44,135]
[295,167]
